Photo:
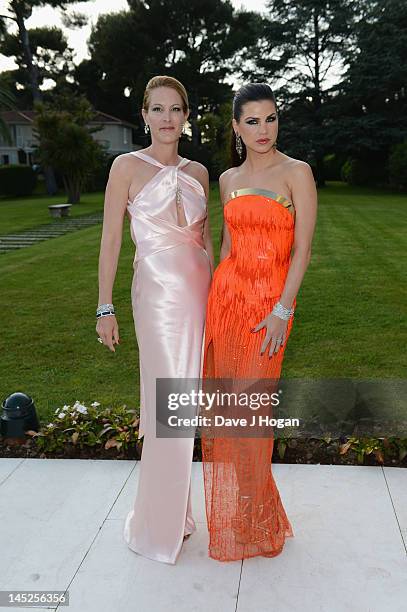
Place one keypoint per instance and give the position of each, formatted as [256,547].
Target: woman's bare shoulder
[226,182]
[226,179]
[296,167]
[228,174]
[125,165]
[197,170]
[301,182]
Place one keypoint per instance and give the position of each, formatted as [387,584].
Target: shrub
[66,144]
[16,180]
[200,154]
[89,427]
[365,171]
[398,166]
[100,176]
[333,164]
[356,172]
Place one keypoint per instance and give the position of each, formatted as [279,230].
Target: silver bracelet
[108,313]
[104,310]
[282,312]
[104,306]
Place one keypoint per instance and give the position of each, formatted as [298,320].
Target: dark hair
[252,92]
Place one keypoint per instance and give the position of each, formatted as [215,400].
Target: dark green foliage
[338,68]
[99,178]
[398,166]
[66,143]
[298,46]
[17,180]
[196,43]
[364,171]
[333,164]
[369,105]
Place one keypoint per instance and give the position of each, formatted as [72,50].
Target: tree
[202,38]
[7,101]
[51,56]
[216,132]
[192,40]
[371,101]
[67,144]
[122,51]
[19,11]
[297,48]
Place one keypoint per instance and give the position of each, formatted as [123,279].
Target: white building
[116,134]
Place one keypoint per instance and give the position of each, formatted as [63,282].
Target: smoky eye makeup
[255,120]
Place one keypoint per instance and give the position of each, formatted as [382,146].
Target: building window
[5,160]
[125,135]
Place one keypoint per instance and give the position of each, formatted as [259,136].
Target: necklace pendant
[178,195]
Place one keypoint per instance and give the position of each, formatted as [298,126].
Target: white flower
[50,425]
[63,408]
[61,415]
[95,404]
[80,407]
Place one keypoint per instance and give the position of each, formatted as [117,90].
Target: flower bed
[81,432]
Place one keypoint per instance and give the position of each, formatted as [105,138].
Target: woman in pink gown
[167,209]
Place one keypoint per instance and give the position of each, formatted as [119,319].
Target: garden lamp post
[18,416]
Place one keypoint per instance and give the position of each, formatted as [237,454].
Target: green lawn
[350,318]
[20,214]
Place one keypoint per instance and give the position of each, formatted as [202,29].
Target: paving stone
[11,242]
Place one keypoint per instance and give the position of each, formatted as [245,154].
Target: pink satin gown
[169,296]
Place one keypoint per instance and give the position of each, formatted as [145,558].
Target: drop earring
[239,146]
[146,128]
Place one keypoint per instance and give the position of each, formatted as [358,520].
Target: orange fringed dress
[244,511]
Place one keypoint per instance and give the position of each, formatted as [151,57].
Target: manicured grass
[351,309]
[350,318]
[20,214]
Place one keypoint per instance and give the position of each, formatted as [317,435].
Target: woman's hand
[108,330]
[276,332]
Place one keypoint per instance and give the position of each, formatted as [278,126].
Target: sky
[77,38]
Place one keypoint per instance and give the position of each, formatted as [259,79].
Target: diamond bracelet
[282,312]
[105,310]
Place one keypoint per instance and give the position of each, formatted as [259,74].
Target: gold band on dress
[267,193]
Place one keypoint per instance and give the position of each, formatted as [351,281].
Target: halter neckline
[154,161]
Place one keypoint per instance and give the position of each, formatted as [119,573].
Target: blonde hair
[165,81]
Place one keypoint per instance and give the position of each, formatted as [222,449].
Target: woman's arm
[202,175]
[226,239]
[304,195]
[116,197]
[208,244]
[207,238]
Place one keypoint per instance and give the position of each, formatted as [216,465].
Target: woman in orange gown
[270,204]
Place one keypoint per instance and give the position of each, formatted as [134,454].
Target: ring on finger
[100,340]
